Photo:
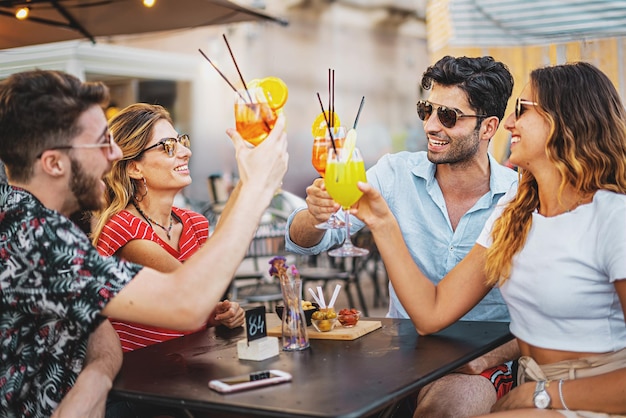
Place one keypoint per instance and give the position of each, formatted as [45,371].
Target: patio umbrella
[529,22]
[62,20]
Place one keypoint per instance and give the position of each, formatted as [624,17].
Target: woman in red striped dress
[140,222]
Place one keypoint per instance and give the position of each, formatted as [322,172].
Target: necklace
[168,229]
[575,205]
[580,202]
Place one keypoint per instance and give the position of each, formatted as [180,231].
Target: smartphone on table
[249,381]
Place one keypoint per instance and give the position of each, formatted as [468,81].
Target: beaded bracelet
[561,395]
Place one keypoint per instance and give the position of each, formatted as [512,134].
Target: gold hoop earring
[139,198]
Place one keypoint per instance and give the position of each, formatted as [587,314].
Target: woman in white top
[556,247]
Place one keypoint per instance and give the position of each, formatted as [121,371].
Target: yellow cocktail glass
[344,169]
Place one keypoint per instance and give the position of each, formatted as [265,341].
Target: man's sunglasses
[169,144]
[446,115]
[519,106]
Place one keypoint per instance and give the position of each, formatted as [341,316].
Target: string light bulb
[149,3]
[22,13]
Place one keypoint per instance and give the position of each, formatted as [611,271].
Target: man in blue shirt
[441,198]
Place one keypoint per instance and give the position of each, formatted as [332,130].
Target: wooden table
[330,379]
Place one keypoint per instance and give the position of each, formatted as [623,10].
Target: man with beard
[441,199]
[58,354]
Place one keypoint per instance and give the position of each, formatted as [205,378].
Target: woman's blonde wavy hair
[587,144]
[132,129]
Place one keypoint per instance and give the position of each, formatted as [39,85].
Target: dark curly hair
[487,83]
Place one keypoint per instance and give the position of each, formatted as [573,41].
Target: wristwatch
[541,398]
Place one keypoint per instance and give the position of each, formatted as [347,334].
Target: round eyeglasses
[107,144]
[447,116]
[169,144]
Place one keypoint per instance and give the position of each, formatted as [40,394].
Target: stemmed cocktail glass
[254,118]
[344,168]
[319,156]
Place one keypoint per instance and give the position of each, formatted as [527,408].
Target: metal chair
[252,284]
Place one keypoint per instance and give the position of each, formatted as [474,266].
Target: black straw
[332,111]
[237,67]
[222,74]
[332,141]
[243,81]
[356,120]
[330,96]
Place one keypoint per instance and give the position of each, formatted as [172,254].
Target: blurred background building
[378,49]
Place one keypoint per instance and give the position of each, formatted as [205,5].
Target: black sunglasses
[447,116]
[169,144]
[519,106]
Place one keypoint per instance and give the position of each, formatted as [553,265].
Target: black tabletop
[330,379]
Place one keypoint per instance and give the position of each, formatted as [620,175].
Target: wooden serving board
[339,333]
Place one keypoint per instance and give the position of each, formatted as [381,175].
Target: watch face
[542,400]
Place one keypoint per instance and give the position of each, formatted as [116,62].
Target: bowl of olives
[324,320]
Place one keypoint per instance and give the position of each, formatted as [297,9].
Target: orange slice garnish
[319,127]
[275,90]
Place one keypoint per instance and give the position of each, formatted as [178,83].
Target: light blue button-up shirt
[406,180]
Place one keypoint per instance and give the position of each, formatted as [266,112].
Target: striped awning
[522,22]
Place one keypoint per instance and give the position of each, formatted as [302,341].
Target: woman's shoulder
[188,214]
[121,228]
[124,216]
[608,200]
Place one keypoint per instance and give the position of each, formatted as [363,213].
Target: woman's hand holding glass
[372,209]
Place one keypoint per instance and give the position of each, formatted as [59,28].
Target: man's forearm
[302,230]
[104,350]
[104,358]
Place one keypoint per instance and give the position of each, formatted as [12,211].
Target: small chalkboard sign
[255,323]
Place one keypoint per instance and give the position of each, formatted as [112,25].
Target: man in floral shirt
[55,289]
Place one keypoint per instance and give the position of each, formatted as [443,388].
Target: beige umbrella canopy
[62,20]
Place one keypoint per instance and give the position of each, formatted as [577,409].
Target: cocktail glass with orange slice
[322,142]
[257,108]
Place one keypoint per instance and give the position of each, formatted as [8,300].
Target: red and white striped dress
[124,227]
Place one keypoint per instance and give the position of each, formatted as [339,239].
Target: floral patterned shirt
[53,285]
